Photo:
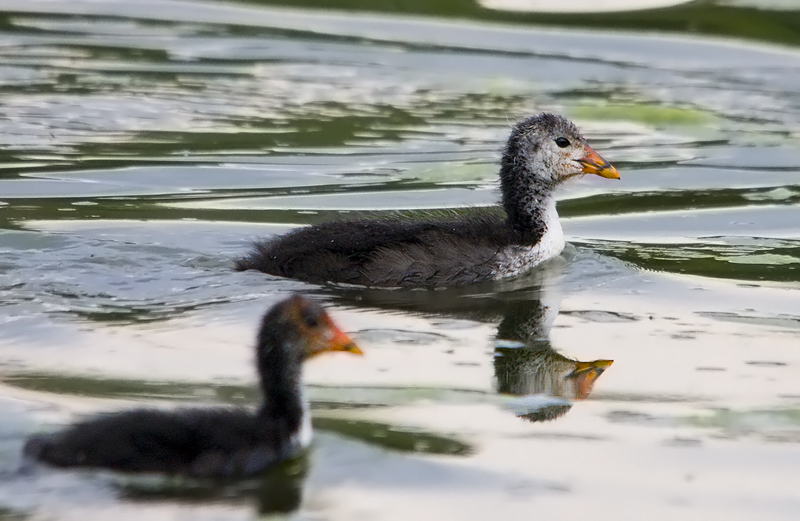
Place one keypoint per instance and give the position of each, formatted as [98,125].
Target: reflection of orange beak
[597,365]
[585,374]
[594,164]
[341,342]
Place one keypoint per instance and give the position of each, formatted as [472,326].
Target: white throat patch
[302,438]
[515,260]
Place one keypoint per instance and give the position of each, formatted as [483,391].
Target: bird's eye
[311,321]
[562,142]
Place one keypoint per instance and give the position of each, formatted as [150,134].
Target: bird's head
[554,150]
[304,327]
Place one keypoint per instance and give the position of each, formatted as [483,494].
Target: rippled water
[146,144]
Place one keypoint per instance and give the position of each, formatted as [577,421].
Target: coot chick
[221,442]
[542,152]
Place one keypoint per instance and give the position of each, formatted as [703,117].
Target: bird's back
[391,252]
[219,442]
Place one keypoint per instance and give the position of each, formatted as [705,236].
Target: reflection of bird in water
[278,490]
[542,152]
[537,369]
[221,442]
[526,364]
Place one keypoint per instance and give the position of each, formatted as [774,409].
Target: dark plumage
[387,252]
[541,152]
[222,442]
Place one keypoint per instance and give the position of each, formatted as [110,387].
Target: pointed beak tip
[593,163]
[353,349]
[603,170]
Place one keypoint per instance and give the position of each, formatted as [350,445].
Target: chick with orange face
[218,442]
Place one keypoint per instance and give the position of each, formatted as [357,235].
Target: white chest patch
[515,260]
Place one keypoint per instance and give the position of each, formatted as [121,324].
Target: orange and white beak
[594,164]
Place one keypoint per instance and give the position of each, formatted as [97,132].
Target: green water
[146,144]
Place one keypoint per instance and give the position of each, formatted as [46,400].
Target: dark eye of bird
[311,320]
[562,142]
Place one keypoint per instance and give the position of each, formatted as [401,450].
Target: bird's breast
[516,259]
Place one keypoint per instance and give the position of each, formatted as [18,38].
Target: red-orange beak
[594,164]
[338,341]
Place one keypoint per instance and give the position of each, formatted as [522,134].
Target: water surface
[146,144]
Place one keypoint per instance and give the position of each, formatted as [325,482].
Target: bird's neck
[280,375]
[527,200]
